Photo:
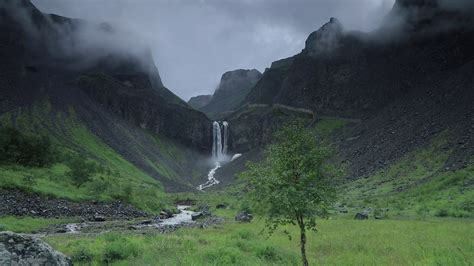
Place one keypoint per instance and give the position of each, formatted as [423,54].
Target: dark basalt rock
[98,218]
[361,216]
[19,249]
[19,203]
[244,217]
[196,216]
[200,101]
[233,88]
[396,90]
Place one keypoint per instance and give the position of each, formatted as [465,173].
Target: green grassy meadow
[337,242]
[119,180]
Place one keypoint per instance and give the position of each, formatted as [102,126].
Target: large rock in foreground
[19,249]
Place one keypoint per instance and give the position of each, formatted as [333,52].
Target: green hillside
[118,179]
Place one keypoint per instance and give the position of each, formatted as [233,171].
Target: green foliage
[339,242]
[269,253]
[77,146]
[294,183]
[119,249]
[418,185]
[28,224]
[82,255]
[17,147]
[81,169]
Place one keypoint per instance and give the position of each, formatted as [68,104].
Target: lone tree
[294,183]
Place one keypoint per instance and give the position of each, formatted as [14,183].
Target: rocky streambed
[159,224]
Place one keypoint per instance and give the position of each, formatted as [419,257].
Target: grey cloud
[195,41]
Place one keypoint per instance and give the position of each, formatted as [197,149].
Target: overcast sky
[195,41]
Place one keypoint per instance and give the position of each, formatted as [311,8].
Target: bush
[442,213]
[120,249]
[269,254]
[224,256]
[25,149]
[82,255]
[81,169]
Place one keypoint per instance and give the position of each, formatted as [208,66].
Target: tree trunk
[303,243]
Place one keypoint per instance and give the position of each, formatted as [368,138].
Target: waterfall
[226,137]
[220,138]
[217,155]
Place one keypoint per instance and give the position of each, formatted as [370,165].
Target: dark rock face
[253,126]
[200,101]
[233,88]
[405,86]
[114,91]
[244,217]
[19,249]
[126,83]
[325,40]
[361,216]
[196,216]
[18,203]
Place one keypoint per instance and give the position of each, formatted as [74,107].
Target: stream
[182,218]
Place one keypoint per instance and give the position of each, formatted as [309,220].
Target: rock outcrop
[233,88]
[19,249]
[200,101]
[110,87]
[325,40]
[405,82]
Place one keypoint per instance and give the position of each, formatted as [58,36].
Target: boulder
[165,214]
[20,249]
[98,218]
[205,210]
[197,215]
[361,216]
[244,217]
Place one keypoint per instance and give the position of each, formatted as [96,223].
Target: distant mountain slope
[113,92]
[233,88]
[406,83]
[200,101]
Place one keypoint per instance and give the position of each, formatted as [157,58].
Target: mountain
[199,101]
[81,83]
[397,89]
[233,88]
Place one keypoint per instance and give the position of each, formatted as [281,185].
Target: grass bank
[338,242]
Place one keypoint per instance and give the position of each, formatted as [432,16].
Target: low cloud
[194,42]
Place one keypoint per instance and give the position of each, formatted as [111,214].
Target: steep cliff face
[47,47]
[233,88]
[114,90]
[199,101]
[407,82]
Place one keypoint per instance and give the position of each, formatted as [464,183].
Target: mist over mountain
[83,71]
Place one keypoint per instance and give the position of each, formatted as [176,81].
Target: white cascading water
[226,137]
[219,152]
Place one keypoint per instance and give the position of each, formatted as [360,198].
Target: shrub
[81,169]
[82,254]
[442,213]
[244,234]
[224,256]
[119,250]
[25,149]
[269,254]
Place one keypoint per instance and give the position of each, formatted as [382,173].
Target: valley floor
[339,241]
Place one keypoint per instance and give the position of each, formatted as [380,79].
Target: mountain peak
[325,39]
[429,16]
